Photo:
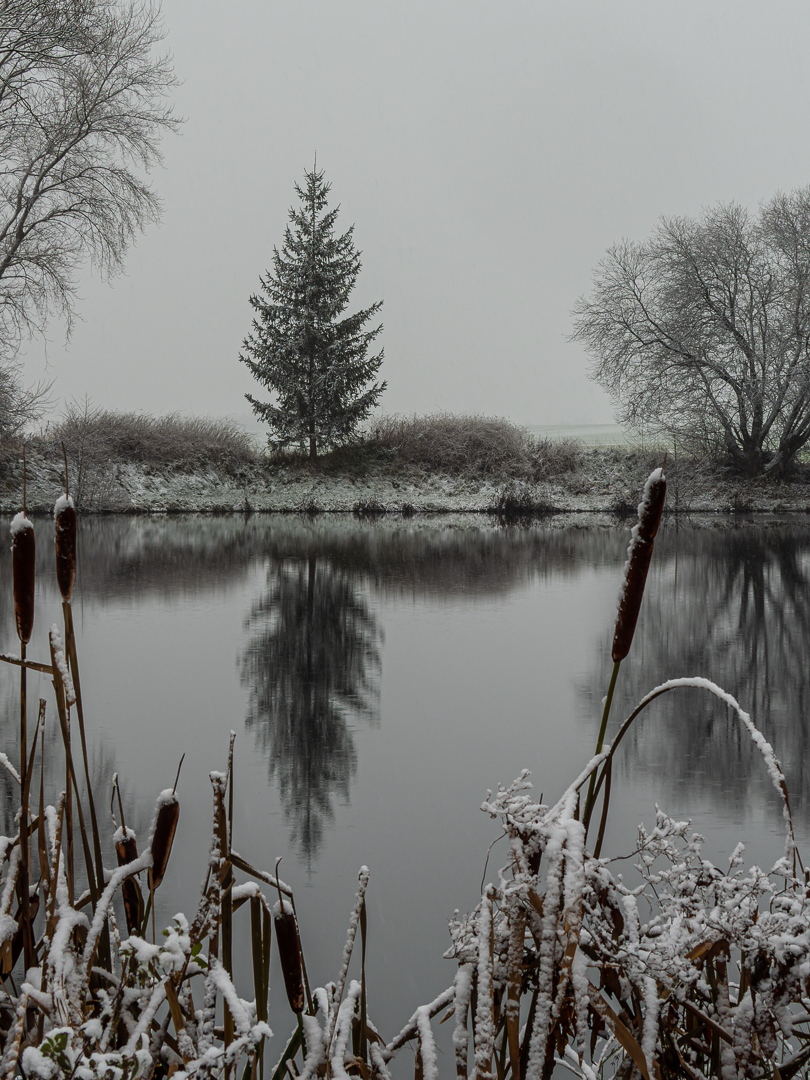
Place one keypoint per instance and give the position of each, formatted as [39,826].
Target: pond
[381,676]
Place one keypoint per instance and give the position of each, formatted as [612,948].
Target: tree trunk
[313,448]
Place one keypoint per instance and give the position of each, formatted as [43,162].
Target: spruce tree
[314,362]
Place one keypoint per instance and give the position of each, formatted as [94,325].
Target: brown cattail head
[126,845]
[133,904]
[639,554]
[163,835]
[126,849]
[65,515]
[651,506]
[289,952]
[23,561]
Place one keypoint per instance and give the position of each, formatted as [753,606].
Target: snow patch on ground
[607,479]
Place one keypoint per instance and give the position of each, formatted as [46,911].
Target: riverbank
[604,480]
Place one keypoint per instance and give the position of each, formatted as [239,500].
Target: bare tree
[82,109]
[703,332]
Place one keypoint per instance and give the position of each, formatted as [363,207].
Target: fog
[487,154]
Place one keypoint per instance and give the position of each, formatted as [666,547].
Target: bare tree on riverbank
[703,331]
[81,114]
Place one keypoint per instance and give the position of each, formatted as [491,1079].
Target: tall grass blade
[363,1041]
[60,676]
[259,948]
[73,661]
[42,850]
[290,1050]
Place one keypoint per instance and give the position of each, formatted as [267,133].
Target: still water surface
[381,677]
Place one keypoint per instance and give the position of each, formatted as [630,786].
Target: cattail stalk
[65,522]
[64,693]
[23,559]
[639,555]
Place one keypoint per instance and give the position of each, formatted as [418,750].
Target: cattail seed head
[23,561]
[639,555]
[126,850]
[126,846]
[65,516]
[133,904]
[289,952]
[163,835]
[651,506]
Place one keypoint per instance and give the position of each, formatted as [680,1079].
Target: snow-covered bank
[607,480]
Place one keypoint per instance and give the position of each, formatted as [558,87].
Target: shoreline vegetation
[689,970]
[132,463]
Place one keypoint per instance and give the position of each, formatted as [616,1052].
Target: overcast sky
[487,154]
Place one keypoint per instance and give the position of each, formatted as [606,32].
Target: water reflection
[312,668]
[733,606]
[730,604]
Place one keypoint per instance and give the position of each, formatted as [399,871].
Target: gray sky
[487,153]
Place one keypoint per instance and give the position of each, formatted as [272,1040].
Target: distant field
[590,434]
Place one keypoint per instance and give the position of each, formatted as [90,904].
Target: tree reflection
[732,606]
[312,665]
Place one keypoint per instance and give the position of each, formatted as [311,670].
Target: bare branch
[703,332]
[82,110]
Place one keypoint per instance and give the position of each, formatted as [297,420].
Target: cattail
[163,835]
[23,561]
[126,845]
[638,562]
[65,516]
[126,849]
[289,952]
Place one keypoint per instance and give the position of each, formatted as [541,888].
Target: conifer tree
[315,363]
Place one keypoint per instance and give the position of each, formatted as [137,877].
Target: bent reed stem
[586,817]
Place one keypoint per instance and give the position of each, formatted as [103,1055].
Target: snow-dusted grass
[158,440]
[472,445]
[124,463]
[568,962]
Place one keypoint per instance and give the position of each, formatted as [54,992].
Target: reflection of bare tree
[312,665]
[733,606]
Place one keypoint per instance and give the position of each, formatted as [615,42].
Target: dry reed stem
[72,783]
[354,920]
[226,901]
[32,665]
[73,662]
